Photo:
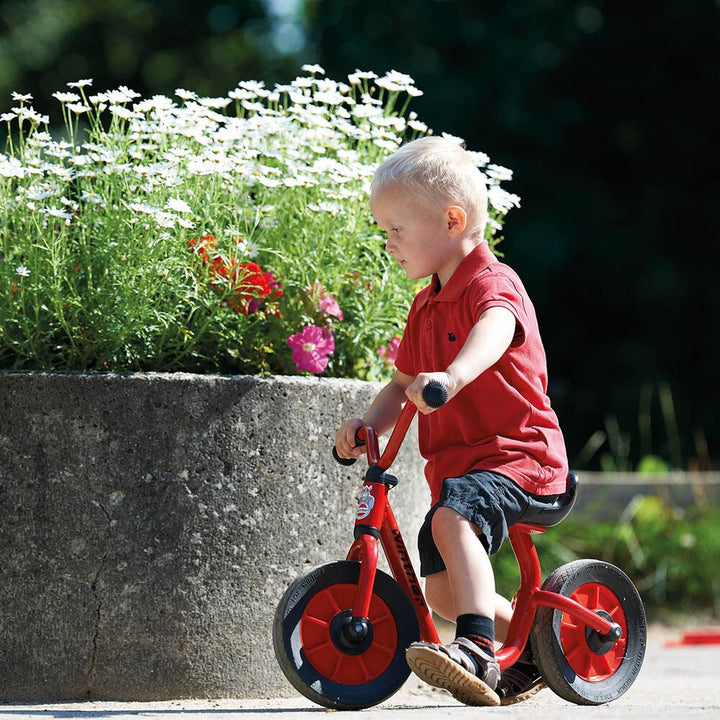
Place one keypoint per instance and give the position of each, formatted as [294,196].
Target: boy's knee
[445,519]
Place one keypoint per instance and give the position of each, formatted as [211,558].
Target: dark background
[601,108]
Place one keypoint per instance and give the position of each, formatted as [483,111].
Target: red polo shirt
[502,421]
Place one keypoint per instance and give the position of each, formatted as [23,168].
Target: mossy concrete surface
[150,523]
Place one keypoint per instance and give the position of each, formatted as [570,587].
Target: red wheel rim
[585,663]
[329,660]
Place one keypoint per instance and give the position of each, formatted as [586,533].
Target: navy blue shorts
[490,501]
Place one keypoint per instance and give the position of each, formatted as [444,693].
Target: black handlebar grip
[348,461]
[435,394]
[342,461]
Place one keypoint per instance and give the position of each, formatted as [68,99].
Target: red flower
[246,281]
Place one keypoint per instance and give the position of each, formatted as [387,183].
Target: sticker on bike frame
[366,502]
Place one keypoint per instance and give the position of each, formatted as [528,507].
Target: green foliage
[670,554]
[205,234]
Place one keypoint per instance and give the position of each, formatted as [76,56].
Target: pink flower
[311,347]
[326,303]
[389,352]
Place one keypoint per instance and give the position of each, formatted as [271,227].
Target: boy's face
[419,236]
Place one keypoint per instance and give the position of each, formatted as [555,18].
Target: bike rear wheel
[574,660]
[314,650]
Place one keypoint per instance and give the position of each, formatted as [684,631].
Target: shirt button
[428,325]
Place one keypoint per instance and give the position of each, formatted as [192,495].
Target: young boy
[495,453]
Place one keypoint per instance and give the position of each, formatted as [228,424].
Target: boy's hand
[345,439]
[414,390]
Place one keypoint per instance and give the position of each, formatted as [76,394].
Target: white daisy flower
[80,83]
[187,224]
[313,69]
[177,205]
[248,248]
[27,113]
[252,86]
[400,78]
[240,94]
[454,138]
[124,113]
[499,173]
[57,213]
[501,200]
[269,182]
[479,158]
[91,197]
[78,108]
[122,95]
[417,126]
[20,97]
[67,97]
[185,94]
[22,271]
[358,75]
[214,103]
[142,208]
[329,98]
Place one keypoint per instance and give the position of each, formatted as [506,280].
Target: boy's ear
[456,220]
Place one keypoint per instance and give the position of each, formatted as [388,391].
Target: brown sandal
[461,667]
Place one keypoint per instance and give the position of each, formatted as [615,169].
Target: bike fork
[375,522]
[368,521]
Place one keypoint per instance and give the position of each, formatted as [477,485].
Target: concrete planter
[150,522]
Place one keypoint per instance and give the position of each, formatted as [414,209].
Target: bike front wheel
[326,663]
[575,661]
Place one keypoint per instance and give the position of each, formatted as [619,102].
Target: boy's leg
[467,666]
[437,594]
[492,504]
[470,574]
[517,683]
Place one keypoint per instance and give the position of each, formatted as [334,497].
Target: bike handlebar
[435,394]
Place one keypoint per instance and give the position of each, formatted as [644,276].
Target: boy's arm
[381,415]
[485,345]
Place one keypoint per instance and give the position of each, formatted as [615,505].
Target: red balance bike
[340,631]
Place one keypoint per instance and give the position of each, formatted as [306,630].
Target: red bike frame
[375,522]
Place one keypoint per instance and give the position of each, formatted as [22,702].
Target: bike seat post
[524,604]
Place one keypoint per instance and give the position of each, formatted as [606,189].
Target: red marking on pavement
[697,636]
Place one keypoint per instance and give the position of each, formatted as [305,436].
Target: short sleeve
[498,290]
[405,354]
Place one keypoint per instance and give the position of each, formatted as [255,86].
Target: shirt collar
[480,258]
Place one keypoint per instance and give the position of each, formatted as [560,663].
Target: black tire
[315,657]
[573,659]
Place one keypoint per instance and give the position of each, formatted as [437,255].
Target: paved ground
[675,682]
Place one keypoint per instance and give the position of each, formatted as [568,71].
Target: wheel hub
[351,635]
[601,643]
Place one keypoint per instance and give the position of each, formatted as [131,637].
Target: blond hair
[437,170]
